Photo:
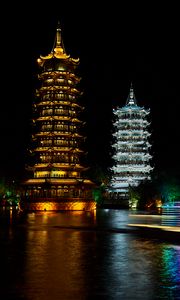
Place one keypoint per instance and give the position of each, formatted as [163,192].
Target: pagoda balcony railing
[125,152]
[128,128]
[64,113]
[128,142]
[67,105]
[58,165]
[132,158]
[59,162]
[129,118]
[57,148]
[139,121]
[134,112]
[131,139]
[57,159]
[132,131]
[133,169]
[62,164]
[127,178]
[65,134]
[57,73]
[58,143]
[59,79]
[56,176]
[131,166]
[57,99]
[48,130]
[136,136]
[133,146]
[125,149]
[72,90]
[130,135]
[129,115]
[131,162]
[59,118]
[131,155]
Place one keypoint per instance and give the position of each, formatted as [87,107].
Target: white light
[131,157]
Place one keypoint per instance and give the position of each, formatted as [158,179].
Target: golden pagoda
[57,182]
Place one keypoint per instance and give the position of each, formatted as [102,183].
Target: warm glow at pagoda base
[57,206]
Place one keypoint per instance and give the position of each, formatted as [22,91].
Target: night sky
[116,46]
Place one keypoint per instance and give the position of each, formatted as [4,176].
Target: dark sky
[116,45]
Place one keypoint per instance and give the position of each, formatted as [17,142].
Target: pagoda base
[59,206]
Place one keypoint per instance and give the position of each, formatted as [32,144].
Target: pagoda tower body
[57,182]
[131,149]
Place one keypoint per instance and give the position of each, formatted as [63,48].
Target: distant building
[131,149]
[57,182]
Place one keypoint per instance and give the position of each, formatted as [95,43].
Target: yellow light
[158,203]
[74,173]
[55,206]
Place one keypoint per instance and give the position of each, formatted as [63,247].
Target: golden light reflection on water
[54,263]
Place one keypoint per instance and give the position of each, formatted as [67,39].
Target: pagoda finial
[58,47]
[131,100]
[58,35]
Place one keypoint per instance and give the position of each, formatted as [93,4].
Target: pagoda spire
[131,99]
[58,50]
[58,46]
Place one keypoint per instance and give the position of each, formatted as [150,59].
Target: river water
[82,255]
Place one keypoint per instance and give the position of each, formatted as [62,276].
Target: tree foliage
[164,185]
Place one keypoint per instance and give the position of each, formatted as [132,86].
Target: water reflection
[54,265]
[133,268]
[170,272]
[65,256]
